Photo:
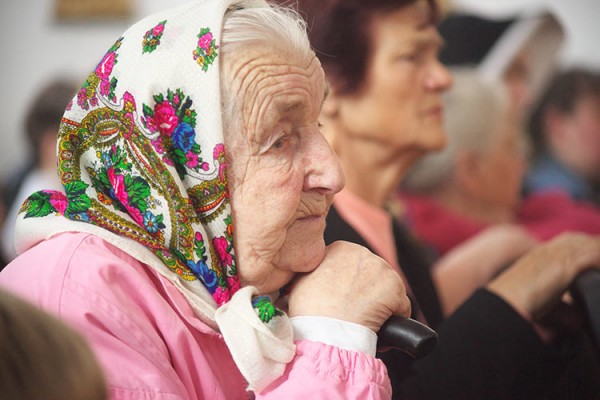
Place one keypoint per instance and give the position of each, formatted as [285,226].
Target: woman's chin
[304,248]
[309,262]
[294,257]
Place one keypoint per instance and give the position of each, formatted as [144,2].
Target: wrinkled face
[282,172]
[399,104]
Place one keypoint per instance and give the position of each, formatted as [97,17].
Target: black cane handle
[407,335]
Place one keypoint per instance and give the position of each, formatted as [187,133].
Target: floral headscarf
[142,162]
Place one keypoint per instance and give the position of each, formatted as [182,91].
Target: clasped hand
[535,283]
[350,284]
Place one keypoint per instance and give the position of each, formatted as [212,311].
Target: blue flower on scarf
[82,216]
[208,276]
[150,222]
[183,137]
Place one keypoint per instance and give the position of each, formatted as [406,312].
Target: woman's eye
[285,142]
[280,143]
[412,57]
[416,56]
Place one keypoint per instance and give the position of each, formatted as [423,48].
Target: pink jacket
[150,343]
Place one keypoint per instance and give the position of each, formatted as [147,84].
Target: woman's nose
[323,169]
[438,78]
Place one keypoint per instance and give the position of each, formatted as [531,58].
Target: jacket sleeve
[323,371]
[485,350]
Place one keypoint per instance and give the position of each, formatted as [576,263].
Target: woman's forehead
[407,26]
[260,64]
[281,85]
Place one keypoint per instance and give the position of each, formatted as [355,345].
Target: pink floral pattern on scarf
[152,37]
[134,163]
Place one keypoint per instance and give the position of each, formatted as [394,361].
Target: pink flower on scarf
[221,296]
[135,214]
[120,192]
[59,202]
[205,41]
[105,87]
[158,145]
[164,118]
[117,182]
[129,101]
[221,244]
[104,69]
[82,98]
[158,29]
[219,154]
[192,159]
[234,284]
[218,151]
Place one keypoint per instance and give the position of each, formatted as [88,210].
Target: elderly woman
[384,112]
[452,195]
[196,184]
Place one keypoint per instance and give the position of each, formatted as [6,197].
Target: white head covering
[142,162]
[490,37]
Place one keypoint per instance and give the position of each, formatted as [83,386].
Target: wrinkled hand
[351,284]
[536,282]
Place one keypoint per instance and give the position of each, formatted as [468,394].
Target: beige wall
[34,48]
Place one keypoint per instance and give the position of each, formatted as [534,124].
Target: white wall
[34,48]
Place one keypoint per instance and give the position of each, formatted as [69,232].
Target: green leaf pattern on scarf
[265,309]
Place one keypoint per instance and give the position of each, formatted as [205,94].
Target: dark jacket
[485,349]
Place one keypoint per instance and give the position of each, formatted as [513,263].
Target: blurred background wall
[35,47]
